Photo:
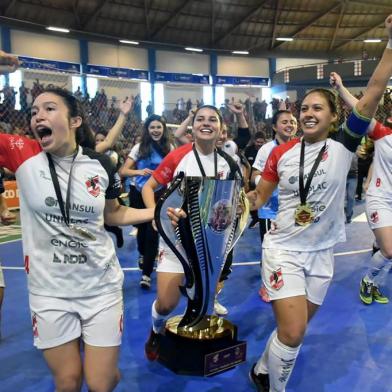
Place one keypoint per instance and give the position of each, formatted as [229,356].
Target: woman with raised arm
[298,254]
[378,201]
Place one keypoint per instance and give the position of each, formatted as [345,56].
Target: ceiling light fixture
[124,41]
[372,40]
[58,29]
[284,39]
[240,52]
[194,49]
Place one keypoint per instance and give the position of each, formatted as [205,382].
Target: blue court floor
[348,346]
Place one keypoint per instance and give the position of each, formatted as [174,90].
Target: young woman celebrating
[143,159]
[67,192]
[284,125]
[298,254]
[200,158]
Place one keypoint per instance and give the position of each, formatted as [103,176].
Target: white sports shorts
[289,274]
[98,320]
[168,261]
[378,211]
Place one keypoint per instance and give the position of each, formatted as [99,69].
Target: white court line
[126,269]
[8,242]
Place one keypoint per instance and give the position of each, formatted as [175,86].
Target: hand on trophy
[175,214]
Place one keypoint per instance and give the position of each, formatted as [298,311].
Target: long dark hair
[147,144]
[84,135]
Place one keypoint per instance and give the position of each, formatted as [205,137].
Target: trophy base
[190,355]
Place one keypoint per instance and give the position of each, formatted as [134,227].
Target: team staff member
[298,255]
[142,160]
[67,192]
[200,158]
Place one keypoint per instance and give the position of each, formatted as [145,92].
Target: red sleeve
[14,150]
[165,171]
[270,172]
[379,131]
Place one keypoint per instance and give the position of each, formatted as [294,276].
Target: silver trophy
[217,212]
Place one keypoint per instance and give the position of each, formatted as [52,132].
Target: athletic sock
[281,360]
[158,320]
[262,363]
[378,262]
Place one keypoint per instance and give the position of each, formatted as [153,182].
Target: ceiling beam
[78,22]
[310,22]
[276,17]
[373,4]
[362,32]
[91,18]
[146,17]
[173,15]
[9,7]
[212,22]
[342,9]
[239,22]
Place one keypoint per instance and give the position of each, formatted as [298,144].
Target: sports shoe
[151,347]
[378,296]
[264,294]
[219,309]
[366,292]
[260,381]
[145,282]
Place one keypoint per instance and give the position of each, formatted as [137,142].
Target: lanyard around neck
[63,208]
[304,190]
[201,168]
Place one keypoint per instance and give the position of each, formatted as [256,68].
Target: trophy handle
[241,221]
[189,277]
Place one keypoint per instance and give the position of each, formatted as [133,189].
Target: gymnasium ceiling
[333,29]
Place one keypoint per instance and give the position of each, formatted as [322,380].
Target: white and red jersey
[326,194]
[381,182]
[60,263]
[183,160]
[263,154]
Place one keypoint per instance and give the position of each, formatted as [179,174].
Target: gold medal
[304,215]
[83,232]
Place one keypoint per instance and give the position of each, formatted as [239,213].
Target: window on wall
[219,96]
[145,96]
[76,83]
[266,95]
[92,86]
[15,81]
[2,84]
[159,100]
[208,98]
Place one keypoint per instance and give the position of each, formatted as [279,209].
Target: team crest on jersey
[16,143]
[374,217]
[276,279]
[93,187]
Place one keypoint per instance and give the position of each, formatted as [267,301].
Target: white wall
[243,66]
[44,46]
[282,63]
[179,62]
[121,56]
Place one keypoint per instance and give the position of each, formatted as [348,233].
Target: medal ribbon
[203,173]
[303,191]
[53,175]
